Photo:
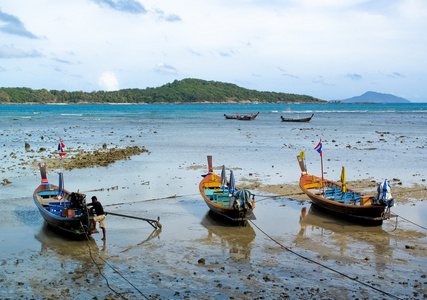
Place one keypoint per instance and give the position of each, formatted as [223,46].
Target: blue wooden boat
[61,209]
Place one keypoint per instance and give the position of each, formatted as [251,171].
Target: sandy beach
[291,250]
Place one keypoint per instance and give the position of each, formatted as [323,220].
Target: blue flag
[318,148]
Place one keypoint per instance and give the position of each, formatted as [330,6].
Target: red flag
[61,147]
[318,148]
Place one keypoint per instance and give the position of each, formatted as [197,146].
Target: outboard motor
[77,200]
[384,196]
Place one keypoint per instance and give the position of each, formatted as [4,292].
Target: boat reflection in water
[323,233]
[73,256]
[63,246]
[236,240]
[154,234]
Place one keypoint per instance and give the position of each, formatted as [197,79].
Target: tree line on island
[179,91]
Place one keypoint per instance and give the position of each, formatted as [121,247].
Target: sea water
[379,141]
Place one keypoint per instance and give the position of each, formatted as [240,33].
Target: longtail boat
[296,119]
[61,209]
[231,117]
[224,198]
[340,200]
[242,117]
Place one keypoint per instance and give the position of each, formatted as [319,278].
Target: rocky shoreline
[76,159]
[97,158]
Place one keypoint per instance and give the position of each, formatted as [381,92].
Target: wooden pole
[210,163]
[321,160]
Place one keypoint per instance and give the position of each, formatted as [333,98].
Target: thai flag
[61,147]
[318,148]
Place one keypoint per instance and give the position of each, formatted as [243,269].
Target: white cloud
[12,52]
[322,81]
[130,6]
[165,69]
[12,25]
[108,81]
[354,76]
[322,43]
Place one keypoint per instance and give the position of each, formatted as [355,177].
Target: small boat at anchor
[339,200]
[242,117]
[297,119]
[224,198]
[60,208]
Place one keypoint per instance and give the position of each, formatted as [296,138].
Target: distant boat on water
[296,119]
[242,117]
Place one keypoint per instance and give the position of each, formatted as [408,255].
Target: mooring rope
[115,270]
[266,197]
[322,265]
[148,200]
[280,196]
[99,269]
[409,221]
[100,272]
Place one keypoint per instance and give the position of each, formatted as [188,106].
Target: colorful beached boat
[244,117]
[224,198]
[61,209]
[296,119]
[336,198]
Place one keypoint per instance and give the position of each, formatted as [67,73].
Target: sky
[328,49]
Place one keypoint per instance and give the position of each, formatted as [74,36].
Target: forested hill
[179,91]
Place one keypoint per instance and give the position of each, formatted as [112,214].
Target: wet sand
[198,255]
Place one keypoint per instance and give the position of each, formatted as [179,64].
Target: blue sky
[329,49]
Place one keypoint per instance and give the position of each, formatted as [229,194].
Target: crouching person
[100,216]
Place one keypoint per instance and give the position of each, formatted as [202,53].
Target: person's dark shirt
[98,208]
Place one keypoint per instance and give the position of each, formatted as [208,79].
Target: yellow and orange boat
[224,198]
[337,199]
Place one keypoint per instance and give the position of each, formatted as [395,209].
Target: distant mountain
[374,97]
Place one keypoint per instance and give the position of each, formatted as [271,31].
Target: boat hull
[241,117]
[71,221]
[296,120]
[364,212]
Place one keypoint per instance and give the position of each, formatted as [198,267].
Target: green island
[180,91]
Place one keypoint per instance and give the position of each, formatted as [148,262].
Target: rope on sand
[116,271]
[322,265]
[413,223]
[279,196]
[148,200]
[266,197]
